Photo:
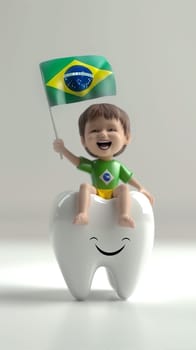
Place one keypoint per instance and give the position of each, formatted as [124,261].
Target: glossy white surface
[82,249]
[38,312]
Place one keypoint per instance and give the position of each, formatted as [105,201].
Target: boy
[105,132]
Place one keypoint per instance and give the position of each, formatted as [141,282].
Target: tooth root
[122,281]
[78,277]
[111,278]
[79,283]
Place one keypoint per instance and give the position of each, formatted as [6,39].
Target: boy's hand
[58,146]
[148,195]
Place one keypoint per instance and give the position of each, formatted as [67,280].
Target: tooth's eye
[93,238]
[123,239]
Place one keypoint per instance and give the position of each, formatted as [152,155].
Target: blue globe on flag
[78,78]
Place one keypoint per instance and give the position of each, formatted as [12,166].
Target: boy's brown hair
[108,111]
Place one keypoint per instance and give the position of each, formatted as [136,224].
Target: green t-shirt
[105,174]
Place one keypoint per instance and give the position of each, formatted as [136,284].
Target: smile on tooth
[109,253]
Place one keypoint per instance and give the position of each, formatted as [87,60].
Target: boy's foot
[127,221]
[81,219]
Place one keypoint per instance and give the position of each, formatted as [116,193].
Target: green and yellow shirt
[105,174]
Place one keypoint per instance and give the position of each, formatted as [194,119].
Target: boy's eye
[111,129]
[94,130]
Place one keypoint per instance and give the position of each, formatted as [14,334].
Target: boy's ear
[128,137]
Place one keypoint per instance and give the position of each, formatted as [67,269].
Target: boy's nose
[103,132]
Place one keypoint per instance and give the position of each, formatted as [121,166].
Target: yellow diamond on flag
[78,78]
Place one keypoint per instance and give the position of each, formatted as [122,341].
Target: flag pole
[54,127]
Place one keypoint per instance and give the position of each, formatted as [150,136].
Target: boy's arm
[59,147]
[140,188]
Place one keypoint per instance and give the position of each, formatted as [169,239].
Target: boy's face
[104,137]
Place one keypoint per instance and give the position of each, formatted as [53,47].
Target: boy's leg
[83,203]
[124,206]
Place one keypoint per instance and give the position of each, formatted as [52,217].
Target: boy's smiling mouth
[104,145]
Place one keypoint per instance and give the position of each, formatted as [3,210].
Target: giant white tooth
[81,249]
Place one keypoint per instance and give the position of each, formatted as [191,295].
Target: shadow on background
[36,295]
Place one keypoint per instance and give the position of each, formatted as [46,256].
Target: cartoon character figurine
[105,132]
[95,239]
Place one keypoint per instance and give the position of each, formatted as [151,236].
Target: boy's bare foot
[127,221]
[81,219]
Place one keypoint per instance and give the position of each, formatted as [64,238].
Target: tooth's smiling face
[110,253]
[104,137]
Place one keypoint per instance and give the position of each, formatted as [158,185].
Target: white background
[151,46]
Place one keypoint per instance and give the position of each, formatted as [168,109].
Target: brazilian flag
[75,79]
